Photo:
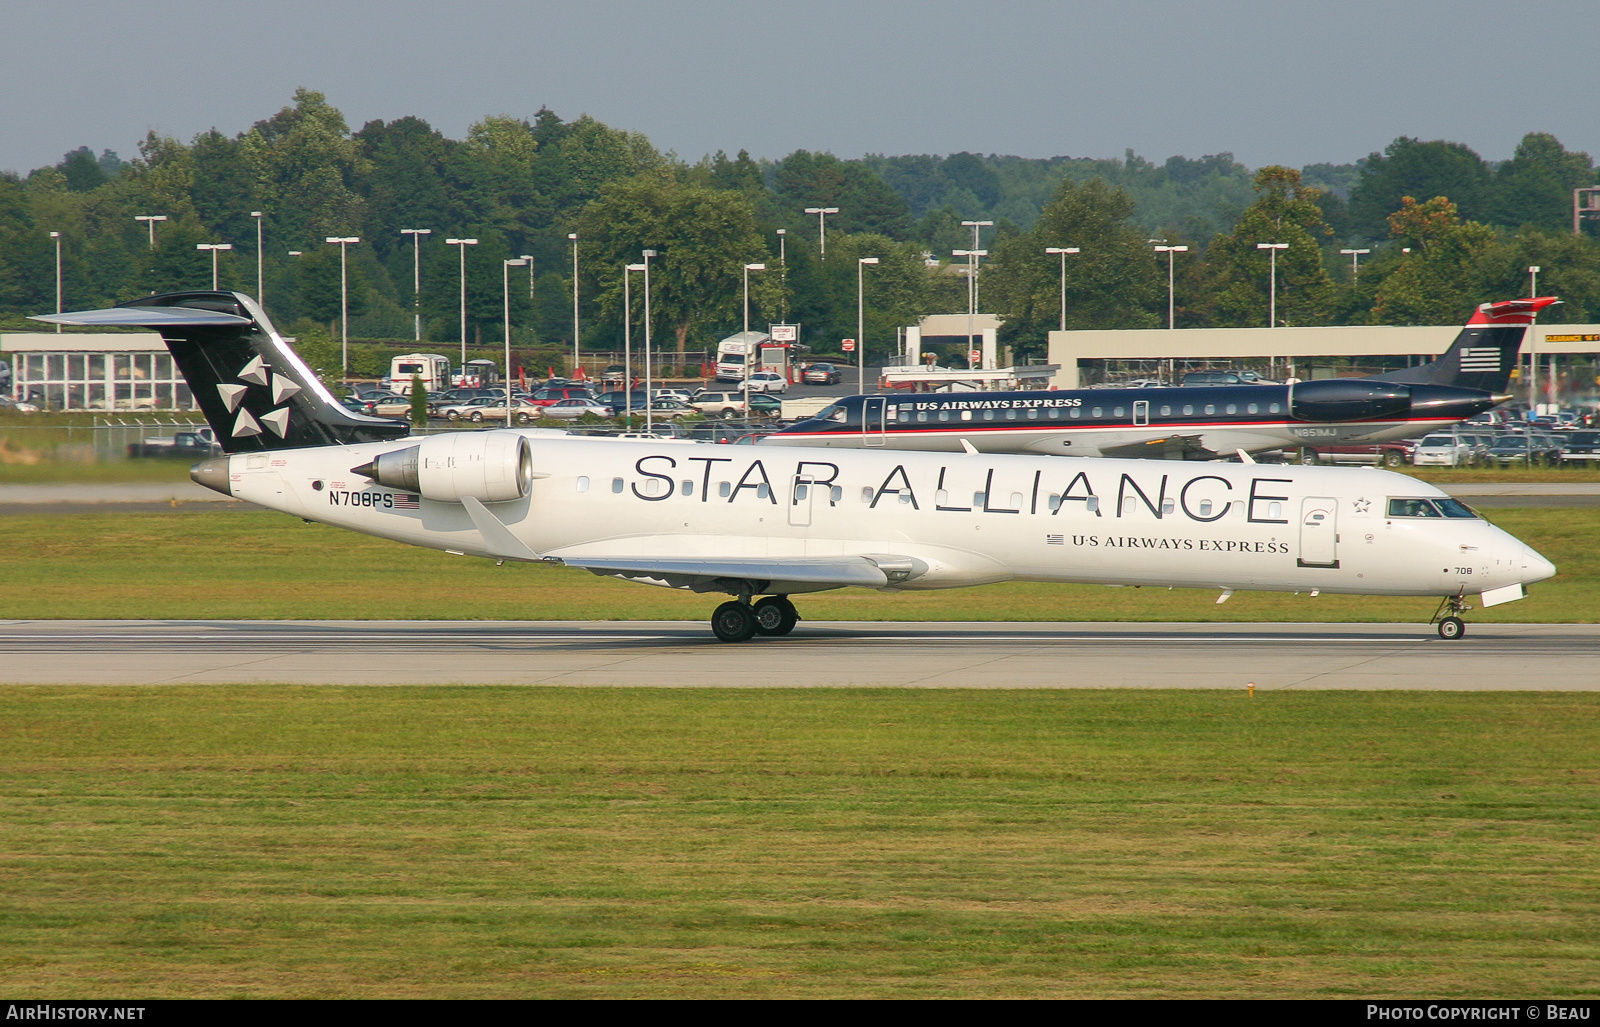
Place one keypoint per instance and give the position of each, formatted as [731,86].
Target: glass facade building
[94,372]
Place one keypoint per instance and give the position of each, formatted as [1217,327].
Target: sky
[1296,82]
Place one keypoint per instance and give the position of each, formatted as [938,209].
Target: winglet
[497,537]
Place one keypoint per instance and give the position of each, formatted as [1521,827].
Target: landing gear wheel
[733,622]
[775,615]
[1452,628]
[1308,458]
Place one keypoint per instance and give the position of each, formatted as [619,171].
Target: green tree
[1440,279]
[866,202]
[1286,211]
[305,166]
[704,238]
[419,402]
[1535,186]
[1410,167]
[1113,282]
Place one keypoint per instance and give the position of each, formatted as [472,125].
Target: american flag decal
[405,501]
[1480,359]
[1055,540]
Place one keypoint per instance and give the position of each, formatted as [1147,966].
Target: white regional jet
[755,522]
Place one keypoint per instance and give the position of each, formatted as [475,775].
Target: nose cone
[1535,567]
[1450,401]
[212,472]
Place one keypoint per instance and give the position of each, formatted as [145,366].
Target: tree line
[1444,230]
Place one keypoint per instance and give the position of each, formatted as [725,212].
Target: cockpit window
[1413,508]
[1430,508]
[832,413]
[1455,508]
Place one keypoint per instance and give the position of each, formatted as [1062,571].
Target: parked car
[452,397]
[682,395]
[1225,378]
[768,381]
[670,408]
[615,400]
[477,408]
[822,374]
[1443,450]
[574,407]
[1389,454]
[1530,449]
[719,404]
[388,405]
[191,445]
[552,394]
[765,405]
[1581,446]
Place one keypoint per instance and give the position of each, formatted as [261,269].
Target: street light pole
[529,258]
[215,248]
[1272,249]
[1171,308]
[150,222]
[1355,263]
[57,237]
[505,293]
[972,294]
[649,413]
[1533,353]
[463,244]
[747,363]
[344,299]
[416,277]
[261,288]
[861,327]
[576,350]
[1062,251]
[783,269]
[627,343]
[822,226]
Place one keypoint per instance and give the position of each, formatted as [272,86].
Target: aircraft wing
[782,574]
[1168,447]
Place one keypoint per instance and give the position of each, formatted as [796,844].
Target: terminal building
[102,371]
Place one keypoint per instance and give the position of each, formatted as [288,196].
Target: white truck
[738,354]
[433,369]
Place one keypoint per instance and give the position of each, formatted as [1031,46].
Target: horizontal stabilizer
[145,317]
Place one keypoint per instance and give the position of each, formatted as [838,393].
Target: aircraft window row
[1430,508]
[1091,504]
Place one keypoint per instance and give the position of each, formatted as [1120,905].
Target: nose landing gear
[1451,627]
[738,621]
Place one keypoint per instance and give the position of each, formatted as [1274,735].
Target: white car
[768,381]
[574,407]
[681,395]
[1443,451]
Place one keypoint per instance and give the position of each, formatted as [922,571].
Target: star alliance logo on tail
[256,372]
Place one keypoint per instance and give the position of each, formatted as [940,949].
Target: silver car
[574,407]
[1443,451]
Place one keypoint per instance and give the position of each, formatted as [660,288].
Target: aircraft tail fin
[1485,353]
[254,390]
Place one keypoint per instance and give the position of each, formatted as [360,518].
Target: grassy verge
[489,842]
[218,564]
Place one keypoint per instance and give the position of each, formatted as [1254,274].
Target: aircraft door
[872,415]
[802,493]
[1141,412]
[1319,532]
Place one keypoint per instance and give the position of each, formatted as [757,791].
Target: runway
[1493,657]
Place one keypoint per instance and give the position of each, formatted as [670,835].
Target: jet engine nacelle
[491,467]
[1349,399]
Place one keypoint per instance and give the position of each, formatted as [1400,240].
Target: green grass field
[209,564]
[500,842]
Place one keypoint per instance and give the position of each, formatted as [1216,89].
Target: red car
[556,393]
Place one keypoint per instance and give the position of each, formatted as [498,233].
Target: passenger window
[1092,504]
[1167,506]
[687,488]
[903,416]
[1274,408]
[966,415]
[905,496]
[866,493]
[1233,408]
[1275,510]
[1016,501]
[1075,413]
[944,415]
[616,485]
[1095,412]
[922,416]
[1253,408]
[1011,415]
[1211,408]
[1033,414]
[988,415]
[763,490]
[979,498]
[1166,411]
[799,493]
[1116,412]
[724,489]
[1053,414]
[1054,503]
[583,484]
[1188,409]
[1205,508]
[941,497]
[835,494]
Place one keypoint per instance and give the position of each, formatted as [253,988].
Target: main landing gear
[739,620]
[1451,627]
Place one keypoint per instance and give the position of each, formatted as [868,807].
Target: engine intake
[491,467]
[1349,399]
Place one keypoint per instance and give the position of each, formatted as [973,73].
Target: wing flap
[831,571]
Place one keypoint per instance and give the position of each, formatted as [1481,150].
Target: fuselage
[970,519]
[1189,422]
